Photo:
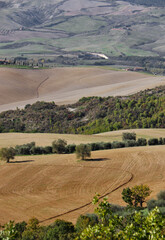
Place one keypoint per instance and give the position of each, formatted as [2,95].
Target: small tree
[83,151]
[127,196]
[136,195]
[59,146]
[140,192]
[7,154]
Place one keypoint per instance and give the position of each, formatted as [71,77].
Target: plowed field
[49,186]
[67,85]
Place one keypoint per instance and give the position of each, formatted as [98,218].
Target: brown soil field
[48,187]
[67,85]
[46,139]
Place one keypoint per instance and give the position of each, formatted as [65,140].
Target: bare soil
[67,85]
[47,187]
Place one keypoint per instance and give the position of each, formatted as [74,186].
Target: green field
[113,28]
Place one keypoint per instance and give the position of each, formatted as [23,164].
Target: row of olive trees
[82,151]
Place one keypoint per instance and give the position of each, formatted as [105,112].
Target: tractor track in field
[40,86]
[89,203]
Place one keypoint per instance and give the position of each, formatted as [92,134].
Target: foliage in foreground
[108,222]
[138,227]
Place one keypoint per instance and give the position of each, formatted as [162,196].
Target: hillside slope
[67,85]
[90,115]
[46,186]
[57,27]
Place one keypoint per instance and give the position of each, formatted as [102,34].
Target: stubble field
[59,186]
[67,85]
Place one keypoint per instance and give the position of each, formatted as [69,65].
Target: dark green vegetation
[91,115]
[82,150]
[7,154]
[67,28]
[108,222]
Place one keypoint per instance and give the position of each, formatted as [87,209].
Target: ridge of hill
[61,27]
[90,115]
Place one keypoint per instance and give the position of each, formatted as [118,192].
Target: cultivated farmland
[48,186]
[67,85]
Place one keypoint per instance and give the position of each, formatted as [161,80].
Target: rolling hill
[67,85]
[50,186]
[60,27]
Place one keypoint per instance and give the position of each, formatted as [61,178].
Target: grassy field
[45,139]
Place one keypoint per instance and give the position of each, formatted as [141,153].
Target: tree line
[82,151]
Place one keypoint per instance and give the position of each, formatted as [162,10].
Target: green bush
[130,143]
[153,141]
[70,148]
[84,221]
[141,142]
[151,204]
[161,195]
[128,136]
[117,144]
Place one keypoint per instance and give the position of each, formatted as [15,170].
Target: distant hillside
[60,27]
[156,3]
[90,115]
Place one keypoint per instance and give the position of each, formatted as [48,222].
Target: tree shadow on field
[25,161]
[96,159]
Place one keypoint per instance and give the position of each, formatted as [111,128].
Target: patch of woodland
[90,115]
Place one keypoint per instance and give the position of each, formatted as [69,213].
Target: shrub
[128,136]
[151,204]
[153,141]
[61,230]
[24,149]
[59,146]
[71,148]
[130,143]
[84,221]
[141,142]
[95,146]
[107,145]
[161,195]
[83,151]
[37,150]
[117,144]
[48,150]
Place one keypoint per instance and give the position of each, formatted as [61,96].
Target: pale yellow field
[67,85]
[48,186]
[46,139]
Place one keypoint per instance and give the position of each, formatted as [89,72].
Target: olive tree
[7,154]
[83,151]
[59,146]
